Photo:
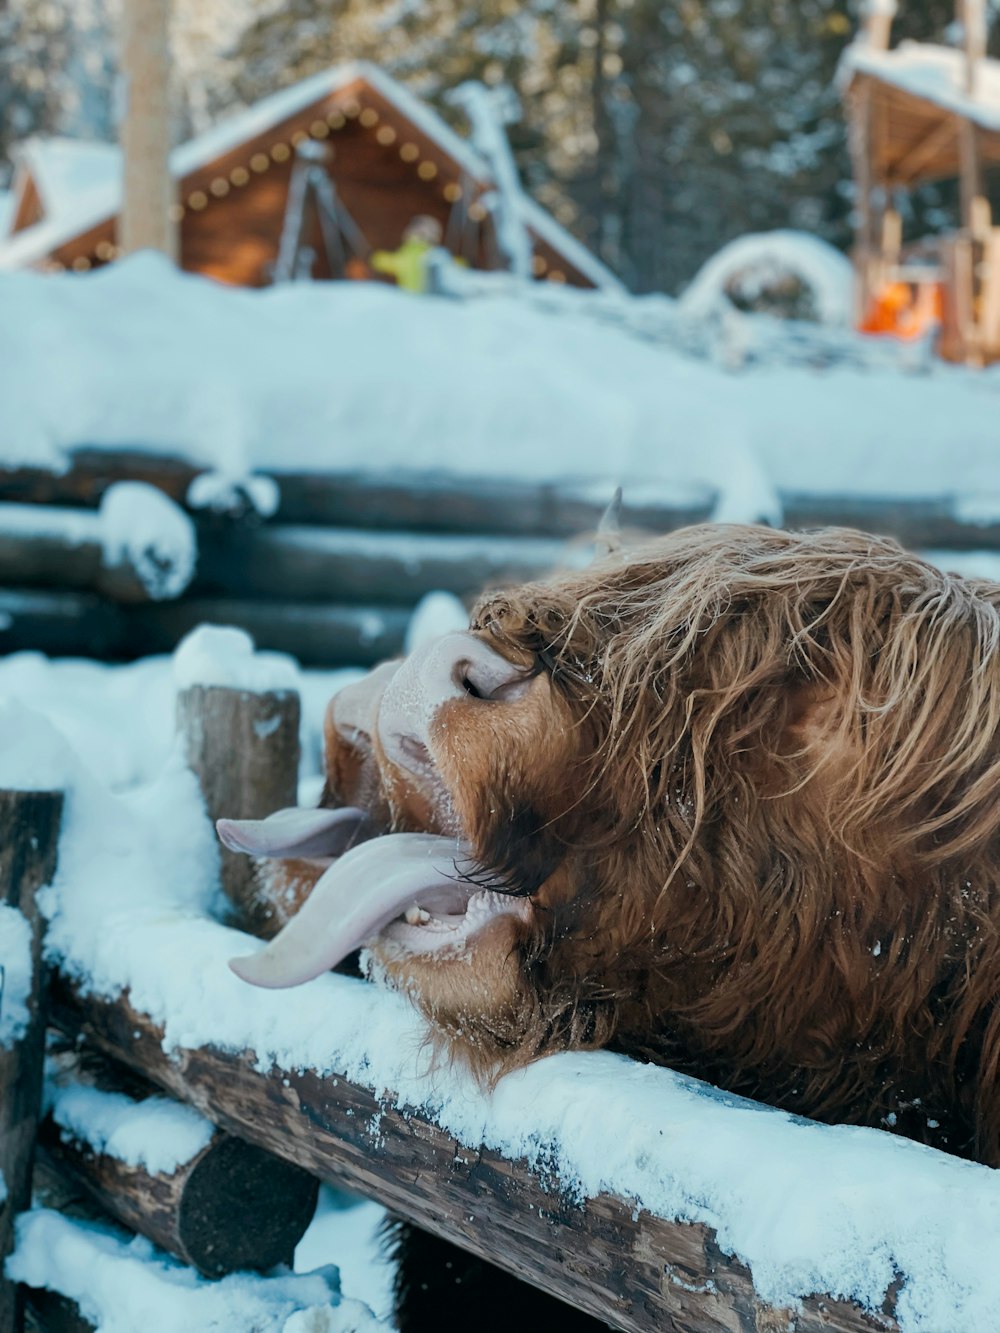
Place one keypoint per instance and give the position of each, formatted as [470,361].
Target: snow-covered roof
[100,197]
[68,173]
[935,74]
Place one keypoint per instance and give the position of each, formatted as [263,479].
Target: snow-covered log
[162,1170]
[140,545]
[29,821]
[605,1255]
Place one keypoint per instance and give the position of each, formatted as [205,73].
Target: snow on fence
[644,1198]
[117,557]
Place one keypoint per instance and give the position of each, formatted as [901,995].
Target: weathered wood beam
[355,565]
[53,547]
[258,735]
[61,623]
[637,1272]
[28,848]
[427,502]
[315,634]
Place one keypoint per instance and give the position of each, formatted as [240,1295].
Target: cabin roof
[919,99]
[101,198]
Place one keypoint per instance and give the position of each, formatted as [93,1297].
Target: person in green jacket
[408,264]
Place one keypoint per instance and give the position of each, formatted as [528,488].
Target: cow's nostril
[464,681]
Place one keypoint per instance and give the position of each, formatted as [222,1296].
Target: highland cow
[730,805]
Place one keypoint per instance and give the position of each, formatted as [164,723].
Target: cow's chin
[470,986]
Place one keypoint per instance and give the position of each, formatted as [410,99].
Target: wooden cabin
[339,165]
[918,113]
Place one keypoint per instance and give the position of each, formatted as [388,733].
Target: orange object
[904,310]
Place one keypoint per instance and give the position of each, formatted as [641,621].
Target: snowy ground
[539,385]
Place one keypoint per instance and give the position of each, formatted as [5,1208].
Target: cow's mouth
[420,892]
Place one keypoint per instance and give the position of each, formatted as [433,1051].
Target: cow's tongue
[298,831]
[358,896]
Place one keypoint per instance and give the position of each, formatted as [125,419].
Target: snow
[934,73]
[123,1285]
[98,171]
[143,529]
[15,975]
[347,1231]
[70,174]
[808,1208]
[565,386]
[157,1133]
[222,655]
[751,262]
[224,493]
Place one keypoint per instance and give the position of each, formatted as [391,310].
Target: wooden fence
[333,575]
[279,1132]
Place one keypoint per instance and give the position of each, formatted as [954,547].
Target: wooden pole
[148,192]
[244,749]
[29,822]
[877,17]
[637,1272]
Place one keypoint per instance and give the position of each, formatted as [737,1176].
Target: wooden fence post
[244,749]
[29,838]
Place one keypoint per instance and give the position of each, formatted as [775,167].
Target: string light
[319,129]
[452,192]
[260,162]
[477,211]
[298,137]
[280,152]
[104,250]
[239,176]
[175,213]
[352,109]
[539,264]
[427,171]
[557,275]
[369,117]
[336,119]
[80,264]
[219,187]
[197,200]
[409,152]
[386,135]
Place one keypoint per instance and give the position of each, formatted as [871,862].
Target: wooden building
[918,113]
[341,163]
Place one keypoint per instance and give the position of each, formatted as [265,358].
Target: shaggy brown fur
[755,801]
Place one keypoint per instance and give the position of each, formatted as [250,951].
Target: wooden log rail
[437,503]
[637,1272]
[30,822]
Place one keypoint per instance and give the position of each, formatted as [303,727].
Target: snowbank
[753,262]
[122,1286]
[564,385]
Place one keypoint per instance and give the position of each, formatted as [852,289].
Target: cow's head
[672,801]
